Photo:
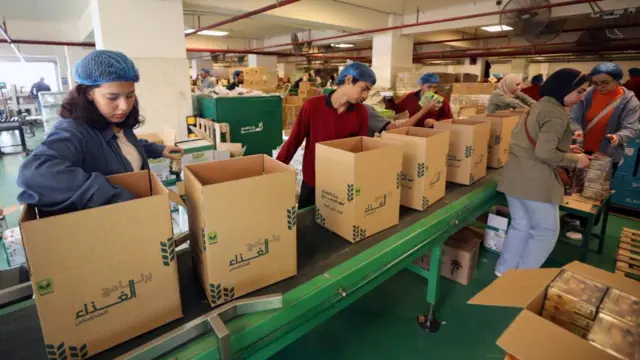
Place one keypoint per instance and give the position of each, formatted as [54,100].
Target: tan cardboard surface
[468,148]
[516,288]
[104,275]
[500,136]
[424,164]
[244,222]
[358,184]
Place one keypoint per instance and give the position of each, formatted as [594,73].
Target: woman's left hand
[613,139]
[169,149]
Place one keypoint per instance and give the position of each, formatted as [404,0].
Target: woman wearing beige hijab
[508,95]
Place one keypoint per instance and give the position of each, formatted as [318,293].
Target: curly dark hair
[78,107]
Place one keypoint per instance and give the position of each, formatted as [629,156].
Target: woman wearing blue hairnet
[337,115]
[608,116]
[93,139]
[411,102]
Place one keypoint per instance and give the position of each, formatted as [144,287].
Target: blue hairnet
[633,72]
[537,79]
[359,71]
[429,78]
[105,66]
[206,71]
[608,68]
[236,74]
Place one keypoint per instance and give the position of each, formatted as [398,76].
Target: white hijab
[508,84]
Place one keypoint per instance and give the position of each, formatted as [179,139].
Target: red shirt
[633,84]
[411,103]
[319,121]
[533,91]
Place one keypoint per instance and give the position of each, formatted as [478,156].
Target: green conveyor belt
[332,273]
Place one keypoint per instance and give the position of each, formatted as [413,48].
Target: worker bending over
[411,102]
[337,115]
[238,79]
[93,139]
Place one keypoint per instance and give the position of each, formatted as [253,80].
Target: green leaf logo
[421,170]
[350,191]
[292,218]
[168,251]
[399,180]
[319,218]
[212,238]
[44,286]
[425,203]
[498,139]
[229,293]
[358,233]
[468,151]
[471,178]
[203,241]
[79,353]
[215,293]
[54,352]
[357,190]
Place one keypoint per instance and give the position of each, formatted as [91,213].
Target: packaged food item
[564,324]
[569,317]
[622,306]
[431,96]
[574,293]
[616,337]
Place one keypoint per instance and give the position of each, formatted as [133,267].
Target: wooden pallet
[628,256]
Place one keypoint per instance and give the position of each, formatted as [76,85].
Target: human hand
[429,105]
[583,161]
[613,139]
[173,152]
[578,135]
[429,123]
[576,149]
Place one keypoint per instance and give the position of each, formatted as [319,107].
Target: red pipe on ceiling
[239,51]
[53,43]
[261,10]
[438,21]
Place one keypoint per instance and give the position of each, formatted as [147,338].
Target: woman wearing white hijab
[508,95]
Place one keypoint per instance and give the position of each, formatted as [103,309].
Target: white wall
[582,66]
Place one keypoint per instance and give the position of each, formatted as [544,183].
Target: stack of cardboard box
[466,95]
[258,78]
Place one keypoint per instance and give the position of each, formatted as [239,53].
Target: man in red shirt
[411,102]
[533,90]
[633,83]
[337,115]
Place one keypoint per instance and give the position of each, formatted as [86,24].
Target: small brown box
[566,316]
[616,337]
[564,324]
[574,293]
[621,306]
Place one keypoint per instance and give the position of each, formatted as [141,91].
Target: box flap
[531,337]
[621,283]
[516,288]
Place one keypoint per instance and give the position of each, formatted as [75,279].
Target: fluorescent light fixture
[342,45]
[208,32]
[496,28]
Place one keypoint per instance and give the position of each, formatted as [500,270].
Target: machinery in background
[13,123]
[50,104]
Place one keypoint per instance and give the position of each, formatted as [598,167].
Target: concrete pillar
[475,66]
[287,70]
[153,38]
[392,53]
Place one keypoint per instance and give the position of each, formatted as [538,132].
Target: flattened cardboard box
[358,183]
[242,219]
[424,164]
[468,147]
[500,137]
[104,275]
[526,289]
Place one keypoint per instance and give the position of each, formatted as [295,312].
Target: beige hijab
[508,84]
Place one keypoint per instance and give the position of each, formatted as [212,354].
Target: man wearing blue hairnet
[411,102]
[206,81]
[337,115]
[237,80]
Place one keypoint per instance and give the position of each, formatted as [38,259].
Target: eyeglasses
[601,83]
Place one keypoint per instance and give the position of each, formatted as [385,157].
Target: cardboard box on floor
[500,137]
[358,183]
[242,219]
[459,256]
[424,164]
[530,336]
[105,275]
[468,147]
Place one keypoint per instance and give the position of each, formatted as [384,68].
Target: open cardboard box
[468,149]
[530,336]
[500,137]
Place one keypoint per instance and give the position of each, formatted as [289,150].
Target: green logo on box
[44,286]
[212,237]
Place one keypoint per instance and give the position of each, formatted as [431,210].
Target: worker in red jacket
[337,115]
[411,102]
[533,90]
[633,83]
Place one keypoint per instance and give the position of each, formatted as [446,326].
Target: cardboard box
[104,275]
[242,219]
[424,164]
[500,137]
[459,256]
[468,147]
[526,289]
[294,100]
[621,306]
[559,315]
[358,184]
[307,93]
[616,337]
[495,232]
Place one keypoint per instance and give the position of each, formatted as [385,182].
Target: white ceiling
[43,10]
[250,28]
[404,6]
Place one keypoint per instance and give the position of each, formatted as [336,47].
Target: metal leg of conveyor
[212,321]
[429,322]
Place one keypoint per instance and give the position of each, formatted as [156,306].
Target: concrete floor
[382,324]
